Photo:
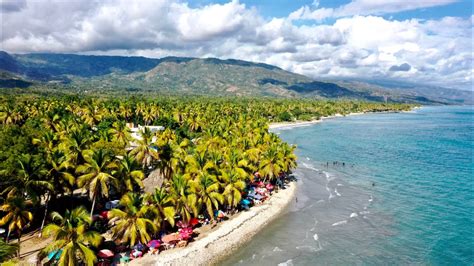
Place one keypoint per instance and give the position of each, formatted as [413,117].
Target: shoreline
[227,236]
[293,124]
[280,125]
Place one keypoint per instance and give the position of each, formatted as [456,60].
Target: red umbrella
[105,253]
[194,221]
[104,214]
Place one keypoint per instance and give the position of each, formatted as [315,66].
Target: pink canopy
[105,253]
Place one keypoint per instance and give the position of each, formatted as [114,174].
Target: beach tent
[105,254]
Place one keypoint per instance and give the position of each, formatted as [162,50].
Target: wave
[339,223]
[286,263]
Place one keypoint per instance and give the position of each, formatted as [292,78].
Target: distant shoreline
[282,125]
[227,237]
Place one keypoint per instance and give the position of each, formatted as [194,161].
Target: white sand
[281,125]
[226,238]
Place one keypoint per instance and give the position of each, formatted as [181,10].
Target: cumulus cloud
[437,52]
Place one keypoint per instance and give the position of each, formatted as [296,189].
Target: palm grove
[62,157]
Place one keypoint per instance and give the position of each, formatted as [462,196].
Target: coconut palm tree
[120,133]
[29,179]
[96,174]
[163,204]
[233,186]
[129,173]
[206,188]
[184,199]
[135,222]
[144,152]
[60,179]
[7,250]
[17,216]
[71,233]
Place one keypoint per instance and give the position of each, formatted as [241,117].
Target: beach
[281,125]
[228,236]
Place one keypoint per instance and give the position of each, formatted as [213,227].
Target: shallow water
[405,194]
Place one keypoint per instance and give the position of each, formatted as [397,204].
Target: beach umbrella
[183,234]
[139,247]
[56,254]
[245,202]
[154,244]
[105,253]
[104,214]
[220,214]
[170,238]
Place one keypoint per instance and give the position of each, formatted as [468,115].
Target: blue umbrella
[55,254]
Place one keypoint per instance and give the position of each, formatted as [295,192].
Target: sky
[418,41]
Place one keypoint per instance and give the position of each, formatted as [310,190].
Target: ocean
[377,189]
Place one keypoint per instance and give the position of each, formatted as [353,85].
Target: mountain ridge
[208,76]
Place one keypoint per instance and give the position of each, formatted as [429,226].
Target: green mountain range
[184,75]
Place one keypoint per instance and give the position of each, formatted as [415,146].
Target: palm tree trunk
[93,204]
[8,235]
[45,214]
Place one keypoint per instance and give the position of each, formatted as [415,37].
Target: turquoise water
[405,194]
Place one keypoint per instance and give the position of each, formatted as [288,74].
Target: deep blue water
[405,194]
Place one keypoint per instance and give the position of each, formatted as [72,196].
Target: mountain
[183,75]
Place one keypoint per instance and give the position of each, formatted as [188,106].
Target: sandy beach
[281,125]
[227,236]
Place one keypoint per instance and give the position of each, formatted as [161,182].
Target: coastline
[293,124]
[227,236]
[280,125]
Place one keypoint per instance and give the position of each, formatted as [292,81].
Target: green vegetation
[51,74]
[208,151]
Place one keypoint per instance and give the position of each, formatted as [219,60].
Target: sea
[377,189]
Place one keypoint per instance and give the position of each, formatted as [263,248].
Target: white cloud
[365,7]
[438,51]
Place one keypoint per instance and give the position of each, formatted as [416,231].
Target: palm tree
[233,186]
[271,164]
[185,200]
[130,173]
[96,175]
[207,189]
[28,180]
[7,250]
[120,133]
[164,205]
[134,222]
[71,234]
[17,216]
[60,179]
[76,143]
[144,152]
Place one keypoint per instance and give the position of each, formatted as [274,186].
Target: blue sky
[421,41]
[282,8]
